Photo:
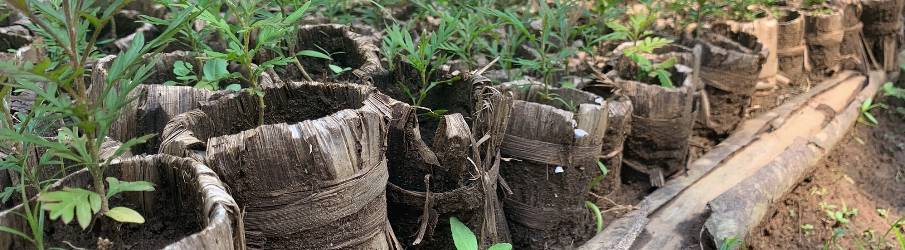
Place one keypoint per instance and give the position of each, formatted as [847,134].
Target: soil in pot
[554,157]
[188,201]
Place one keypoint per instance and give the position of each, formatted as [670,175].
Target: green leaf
[71,203]
[311,53]
[181,68]
[337,69]
[602,168]
[170,83]
[116,186]
[234,87]
[125,215]
[297,13]
[668,63]
[871,118]
[597,214]
[501,246]
[16,232]
[462,236]
[214,69]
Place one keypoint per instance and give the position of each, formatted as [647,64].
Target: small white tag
[558,170]
[580,133]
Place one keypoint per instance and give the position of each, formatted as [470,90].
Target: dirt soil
[865,171]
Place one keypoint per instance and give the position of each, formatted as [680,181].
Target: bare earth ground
[865,171]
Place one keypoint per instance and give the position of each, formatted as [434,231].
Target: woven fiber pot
[442,167]
[824,33]
[357,53]
[188,196]
[730,64]
[791,48]
[313,176]
[618,128]
[554,155]
[883,30]
[661,124]
[159,103]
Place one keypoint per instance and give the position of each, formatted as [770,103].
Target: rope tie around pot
[545,152]
[529,216]
[332,200]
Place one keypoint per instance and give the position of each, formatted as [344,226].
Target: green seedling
[63,93]
[730,243]
[326,56]
[420,55]
[866,106]
[466,240]
[882,212]
[542,42]
[591,205]
[837,232]
[638,35]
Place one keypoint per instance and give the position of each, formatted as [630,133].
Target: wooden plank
[670,224]
[746,132]
[740,209]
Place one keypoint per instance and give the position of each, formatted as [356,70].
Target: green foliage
[466,240]
[841,216]
[600,177]
[325,55]
[71,29]
[729,243]
[273,30]
[554,25]
[70,203]
[597,215]
[471,26]
[866,106]
[420,55]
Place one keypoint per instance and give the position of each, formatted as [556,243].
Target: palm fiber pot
[190,209]
[730,64]
[348,50]
[158,103]
[313,176]
[453,169]
[554,151]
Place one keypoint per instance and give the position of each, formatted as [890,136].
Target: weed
[837,232]
[807,229]
[471,26]
[466,240]
[63,92]
[841,216]
[882,212]
[792,212]
[866,106]
[729,243]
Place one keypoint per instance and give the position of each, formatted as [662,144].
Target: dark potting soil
[866,170]
[317,68]
[168,225]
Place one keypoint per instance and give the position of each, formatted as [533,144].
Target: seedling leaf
[125,215]
[463,237]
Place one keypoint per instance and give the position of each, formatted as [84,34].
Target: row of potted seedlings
[355,165]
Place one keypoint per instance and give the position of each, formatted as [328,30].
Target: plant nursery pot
[473,128]
[190,209]
[883,30]
[159,103]
[554,154]
[824,34]
[765,29]
[854,56]
[730,64]
[791,47]
[618,128]
[661,123]
[357,53]
[313,176]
